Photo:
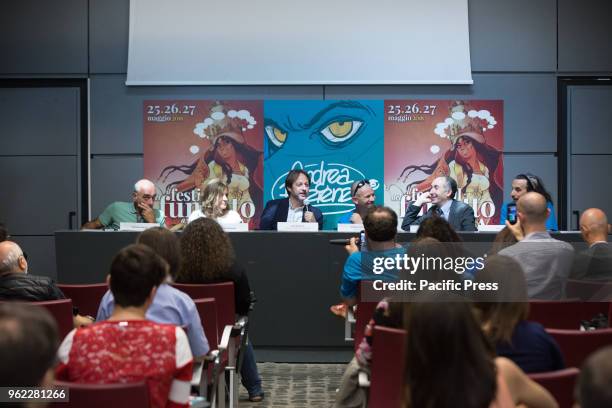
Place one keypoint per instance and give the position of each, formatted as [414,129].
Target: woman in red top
[126,347]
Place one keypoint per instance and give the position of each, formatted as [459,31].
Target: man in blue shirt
[523,184]
[363,197]
[380,225]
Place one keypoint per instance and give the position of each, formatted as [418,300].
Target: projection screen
[273,42]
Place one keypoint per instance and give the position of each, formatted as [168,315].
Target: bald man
[596,262]
[594,385]
[546,261]
[16,283]
[139,210]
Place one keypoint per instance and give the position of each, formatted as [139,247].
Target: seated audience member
[350,393]
[293,208]
[596,262]
[139,210]
[380,225]
[127,347]
[4,235]
[594,386]
[525,183]
[503,314]
[441,230]
[363,197]
[209,258]
[445,342]
[438,228]
[17,284]
[214,204]
[442,195]
[169,305]
[28,345]
[546,261]
[503,239]
[388,313]
[15,281]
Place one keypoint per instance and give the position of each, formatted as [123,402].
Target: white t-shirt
[232,217]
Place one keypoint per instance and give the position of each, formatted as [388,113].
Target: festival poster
[187,142]
[425,139]
[336,142]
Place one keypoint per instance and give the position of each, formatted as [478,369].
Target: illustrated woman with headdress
[229,159]
[473,163]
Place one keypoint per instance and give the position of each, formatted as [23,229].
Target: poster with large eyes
[336,142]
[425,139]
[188,144]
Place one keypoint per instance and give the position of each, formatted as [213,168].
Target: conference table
[295,275]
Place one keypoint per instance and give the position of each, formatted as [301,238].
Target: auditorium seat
[387,367]
[230,332]
[591,291]
[576,345]
[61,310]
[85,297]
[206,385]
[134,395]
[222,292]
[565,314]
[363,314]
[559,383]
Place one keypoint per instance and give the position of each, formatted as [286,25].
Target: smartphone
[511,213]
[362,242]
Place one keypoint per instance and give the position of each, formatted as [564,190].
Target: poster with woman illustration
[189,142]
[463,139]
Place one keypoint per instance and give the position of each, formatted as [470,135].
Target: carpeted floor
[296,385]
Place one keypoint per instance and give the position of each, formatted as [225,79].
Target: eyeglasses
[359,185]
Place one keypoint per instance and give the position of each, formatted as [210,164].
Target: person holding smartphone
[521,185]
[380,225]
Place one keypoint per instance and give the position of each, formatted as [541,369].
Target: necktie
[437,211]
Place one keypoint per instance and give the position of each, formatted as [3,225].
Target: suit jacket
[276,211]
[547,264]
[460,217]
[594,264]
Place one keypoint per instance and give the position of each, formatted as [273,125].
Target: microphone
[345,241]
[306,204]
[342,241]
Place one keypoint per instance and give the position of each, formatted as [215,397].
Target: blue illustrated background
[336,142]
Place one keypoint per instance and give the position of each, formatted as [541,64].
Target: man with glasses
[139,210]
[16,283]
[442,197]
[363,197]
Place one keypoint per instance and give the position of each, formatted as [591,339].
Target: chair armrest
[364,379]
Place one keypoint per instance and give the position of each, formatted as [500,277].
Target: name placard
[298,226]
[350,227]
[490,228]
[234,226]
[136,226]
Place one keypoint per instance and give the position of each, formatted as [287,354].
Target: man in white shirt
[293,208]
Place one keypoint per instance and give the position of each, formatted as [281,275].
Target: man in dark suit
[293,208]
[443,189]
[596,262]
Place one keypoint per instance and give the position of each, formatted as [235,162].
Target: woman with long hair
[449,363]
[214,204]
[209,258]
[503,315]
[229,158]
